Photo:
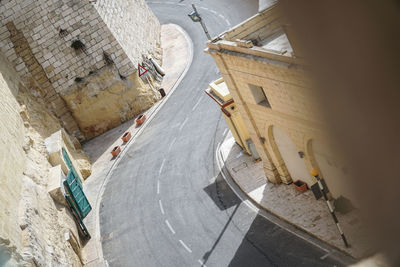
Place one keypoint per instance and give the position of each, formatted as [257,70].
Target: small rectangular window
[259,95]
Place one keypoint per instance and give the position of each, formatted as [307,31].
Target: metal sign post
[315,173]
[195,16]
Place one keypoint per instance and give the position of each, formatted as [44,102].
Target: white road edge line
[162,165]
[161,206]
[183,124]
[170,227]
[158,187]
[247,202]
[216,155]
[185,246]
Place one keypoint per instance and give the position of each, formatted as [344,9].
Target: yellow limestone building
[270,84]
[219,92]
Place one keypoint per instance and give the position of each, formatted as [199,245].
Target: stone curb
[150,116]
[256,203]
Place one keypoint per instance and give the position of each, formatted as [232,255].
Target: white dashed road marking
[183,124]
[161,207]
[201,263]
[170,227]
[158,187]
[162,165]
[172,143]
[198,102]
[185,246]
[325,256]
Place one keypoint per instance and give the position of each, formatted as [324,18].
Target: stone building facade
[125,17]
[269,81]
[79,55]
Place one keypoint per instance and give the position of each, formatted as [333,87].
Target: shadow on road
[222,195]
[265,243]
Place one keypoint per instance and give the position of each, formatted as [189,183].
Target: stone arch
[329,167]
[311,157]
[288,157]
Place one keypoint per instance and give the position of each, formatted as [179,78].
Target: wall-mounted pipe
[160,70]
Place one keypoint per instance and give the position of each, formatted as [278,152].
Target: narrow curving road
[166,203]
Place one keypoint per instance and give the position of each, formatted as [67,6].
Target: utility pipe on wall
[159,69]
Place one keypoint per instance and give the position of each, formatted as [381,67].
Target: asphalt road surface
[166,203]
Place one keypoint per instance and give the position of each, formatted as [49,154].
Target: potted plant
[300,186]
[162,92]
[140,119]
[116,150]
[125,138]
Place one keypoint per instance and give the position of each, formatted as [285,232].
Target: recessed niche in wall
[78,79]
[62,32]
[78,46]
[107,58]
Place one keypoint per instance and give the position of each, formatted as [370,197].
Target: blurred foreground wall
[353,48]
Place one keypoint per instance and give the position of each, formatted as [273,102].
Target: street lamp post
[195,16]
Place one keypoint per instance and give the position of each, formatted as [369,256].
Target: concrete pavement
[177,50]
[299,209]
[174,41]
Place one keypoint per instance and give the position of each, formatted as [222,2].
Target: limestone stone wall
[55,44]
[32,225]
[103,100]
[12,163]
[134,25]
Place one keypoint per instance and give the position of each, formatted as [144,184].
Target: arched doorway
[330,169]
[290,156]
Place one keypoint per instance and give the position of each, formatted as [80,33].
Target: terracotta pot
[116,150]
[162,92]
[300,186]
[140,119]
[126,137]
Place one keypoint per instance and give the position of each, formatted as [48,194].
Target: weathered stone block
[54,185]
[54,145]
